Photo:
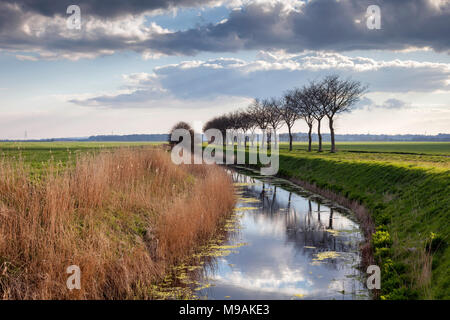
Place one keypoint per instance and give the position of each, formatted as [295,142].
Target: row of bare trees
[312,103]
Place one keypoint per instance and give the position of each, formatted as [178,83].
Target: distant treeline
[369,137]
[105,138]
[300,136]
[131,137]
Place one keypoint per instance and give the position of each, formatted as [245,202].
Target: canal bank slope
[406,197]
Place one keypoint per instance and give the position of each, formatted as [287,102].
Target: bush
[381,239]
[181,125]
[435,242]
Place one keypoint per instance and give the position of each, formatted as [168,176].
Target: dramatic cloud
[39,27]
[102,8]
[41,37]
[297,40]
[318,25]
[270,75]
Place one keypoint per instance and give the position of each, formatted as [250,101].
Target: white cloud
[402,87]
[271,74]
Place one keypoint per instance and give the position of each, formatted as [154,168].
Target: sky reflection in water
[297,246]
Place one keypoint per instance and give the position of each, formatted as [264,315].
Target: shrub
[381,239]
[435,242]
[181,125]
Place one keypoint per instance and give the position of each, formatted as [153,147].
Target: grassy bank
[124,216]
[405,188]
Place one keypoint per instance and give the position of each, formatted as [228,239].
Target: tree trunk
[319,134]
[333,145]
[269,140]
[224,138]
[275,137]
[263,139]
[330,223]
[290,139]
[310,138]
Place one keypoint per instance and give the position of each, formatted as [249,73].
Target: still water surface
[282,243]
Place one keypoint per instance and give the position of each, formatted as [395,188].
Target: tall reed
[124,217]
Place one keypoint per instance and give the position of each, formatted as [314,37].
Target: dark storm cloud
[257,25]
[320,25]
[101,8]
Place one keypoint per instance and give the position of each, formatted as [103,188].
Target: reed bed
[123,216]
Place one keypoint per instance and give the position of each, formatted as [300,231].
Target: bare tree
[338,96]
[178,126]
[274,116]
[305,108]
[238,120]
[251,125]
[329,98]
[246,124]
[289,114]
[234,120]
[221,123]
[312,92]
[259,114]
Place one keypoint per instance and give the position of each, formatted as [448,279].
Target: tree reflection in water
[296,244]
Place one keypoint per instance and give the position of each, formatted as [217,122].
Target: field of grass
[438,148]
[38,154]
[125,216]
[432,156]
[406,188]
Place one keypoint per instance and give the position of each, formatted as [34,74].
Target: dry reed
[124,217]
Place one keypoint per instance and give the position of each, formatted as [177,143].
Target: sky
[141,66]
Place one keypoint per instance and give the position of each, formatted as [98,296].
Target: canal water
[281,243]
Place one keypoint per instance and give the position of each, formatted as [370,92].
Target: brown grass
[423,269]
[124,217]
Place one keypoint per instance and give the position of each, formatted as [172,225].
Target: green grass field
[432,156]
[437,148]
[38,154]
